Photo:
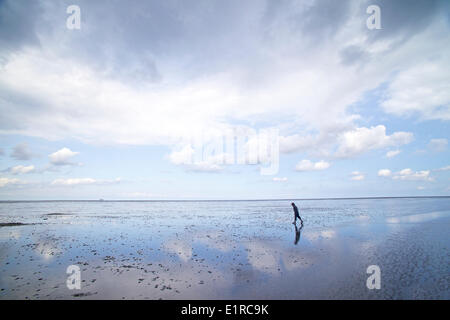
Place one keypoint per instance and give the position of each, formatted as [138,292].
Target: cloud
[203,166]
[7,181]
[401,19]
[422,90]
[267,66]
[17,25]
[392,153]
[238,147]
[21,152]
[447,168]
[384,173]
[74,181]
[83,181]
[21,169]
[408,174]
[277,179]
[358,176]
[307,165]
[2,152]
[317,143]
[360,140]
[185,157]
[62,157]
[421,188]
[438,145]
[296,142]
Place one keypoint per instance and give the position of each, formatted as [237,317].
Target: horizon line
[218,200]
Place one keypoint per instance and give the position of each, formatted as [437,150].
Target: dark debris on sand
[14,224]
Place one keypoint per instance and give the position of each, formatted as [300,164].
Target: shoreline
[231,200]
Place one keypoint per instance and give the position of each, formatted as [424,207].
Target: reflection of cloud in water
[212,239]
[215,240]
[363,218]
[10,234]
[365,247]
[182,248]
[262,257]
[166,279]
[314,235]
[416,218]
[47,248]
[328,233]
[272,259]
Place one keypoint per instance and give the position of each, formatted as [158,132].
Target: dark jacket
[296,211]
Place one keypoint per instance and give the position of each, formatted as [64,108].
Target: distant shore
[220,200]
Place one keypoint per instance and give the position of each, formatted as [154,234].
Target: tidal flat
[225,249]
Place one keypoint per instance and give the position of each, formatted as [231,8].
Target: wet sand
[211,257]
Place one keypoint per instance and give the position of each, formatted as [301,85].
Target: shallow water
[226,249]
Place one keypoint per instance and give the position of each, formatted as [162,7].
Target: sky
[207,99]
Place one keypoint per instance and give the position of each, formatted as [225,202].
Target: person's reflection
[297,233]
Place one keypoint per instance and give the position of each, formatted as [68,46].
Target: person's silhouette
[296,215]
[297,233]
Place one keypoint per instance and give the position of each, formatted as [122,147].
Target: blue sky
[115,109]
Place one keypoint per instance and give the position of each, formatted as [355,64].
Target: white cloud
[358,176]
[62,157]
[6,181]
[296,142]
[106,110]
[447,168]
[392,153]
[438,145]
[278,179]
[203,166]
[423,89]
[186,157]
[21,169]
[384,173]
[83,181]
[307,165]
[360,140]
[421,188]
[408,174]
[183,156]
[232,147]
[74,181]
[279,78]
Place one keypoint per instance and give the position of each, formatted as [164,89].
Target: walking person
[296,215]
